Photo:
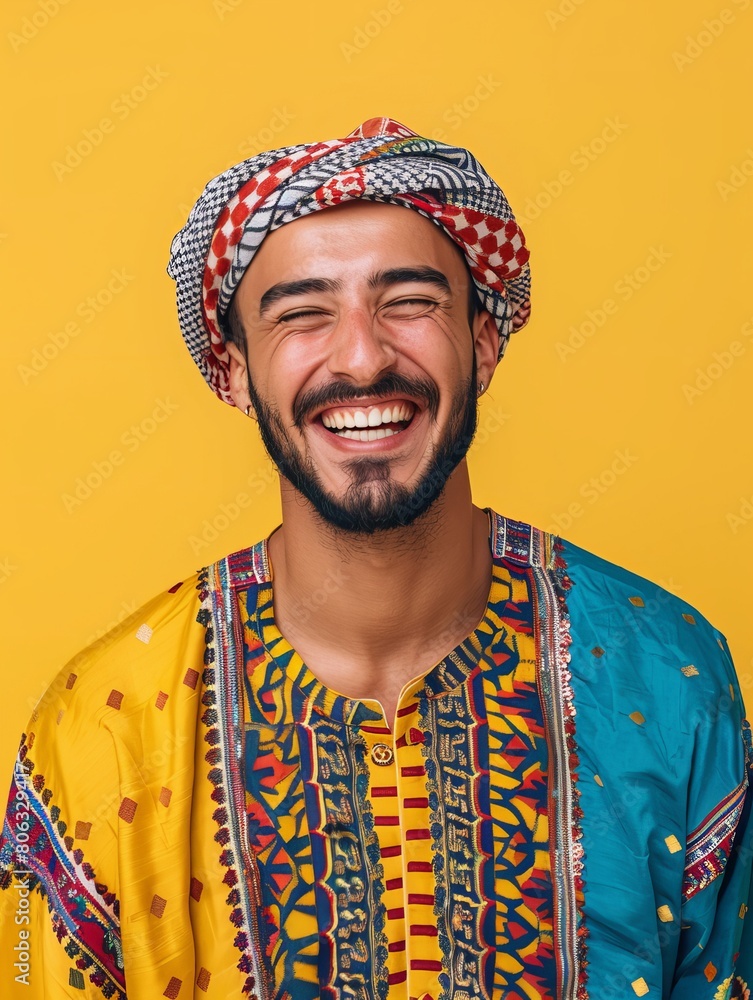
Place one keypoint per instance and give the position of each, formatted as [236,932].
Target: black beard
[372,502]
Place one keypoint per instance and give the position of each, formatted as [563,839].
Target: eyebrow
[286,288]
[391,276]
[398,275]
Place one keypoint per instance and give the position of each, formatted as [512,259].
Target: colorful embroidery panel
[403,864]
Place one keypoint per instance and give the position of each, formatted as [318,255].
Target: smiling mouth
[369,423]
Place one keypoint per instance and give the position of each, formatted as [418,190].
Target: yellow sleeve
[99,746]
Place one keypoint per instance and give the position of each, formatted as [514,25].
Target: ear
[239,378]
[486,345]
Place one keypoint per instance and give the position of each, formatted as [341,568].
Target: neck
[369,612]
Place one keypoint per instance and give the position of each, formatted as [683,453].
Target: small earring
[480,388]
[248,410]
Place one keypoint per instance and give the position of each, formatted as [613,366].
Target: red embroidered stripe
[422,898]
[414,771]
[396,946]
[383,792]
[424,964]
[391,852]
[420,866]
[394,883]
[386,821]
[416,803]
[418,835]
[412,738]
[396,977]
[397,914]
[424,930]
[381,730]
[709,845]
[406,710]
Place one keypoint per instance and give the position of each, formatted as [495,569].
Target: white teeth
[367,417]
[369,435]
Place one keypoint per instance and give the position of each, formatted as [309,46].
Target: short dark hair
[233,330]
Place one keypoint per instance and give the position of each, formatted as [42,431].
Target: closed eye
[298,315]
[411,302]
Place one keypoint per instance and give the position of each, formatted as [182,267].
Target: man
[490,763]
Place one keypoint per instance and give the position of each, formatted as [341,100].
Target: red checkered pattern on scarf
[232,221]
[495,248]
[381,161]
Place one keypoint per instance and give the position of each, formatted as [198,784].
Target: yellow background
[645,108]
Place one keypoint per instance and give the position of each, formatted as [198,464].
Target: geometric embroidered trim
[38,853]
[222,701]
[710,843]
[549,573]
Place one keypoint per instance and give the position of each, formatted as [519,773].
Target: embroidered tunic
[381,854]
[562,809]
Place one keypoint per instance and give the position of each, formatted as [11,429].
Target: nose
[360,349]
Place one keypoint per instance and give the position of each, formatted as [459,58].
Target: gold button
[382,754]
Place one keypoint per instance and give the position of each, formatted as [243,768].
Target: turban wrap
[380,161]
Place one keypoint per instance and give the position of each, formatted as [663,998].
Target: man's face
[362,368]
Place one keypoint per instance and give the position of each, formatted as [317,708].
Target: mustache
[392,384]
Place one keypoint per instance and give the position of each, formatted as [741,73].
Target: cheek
[446,339]
[287,376]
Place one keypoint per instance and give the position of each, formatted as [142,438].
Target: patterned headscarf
[380,161]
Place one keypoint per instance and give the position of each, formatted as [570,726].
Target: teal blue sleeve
[715,955]
[743,855]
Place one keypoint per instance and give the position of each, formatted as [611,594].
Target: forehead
[353,240]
